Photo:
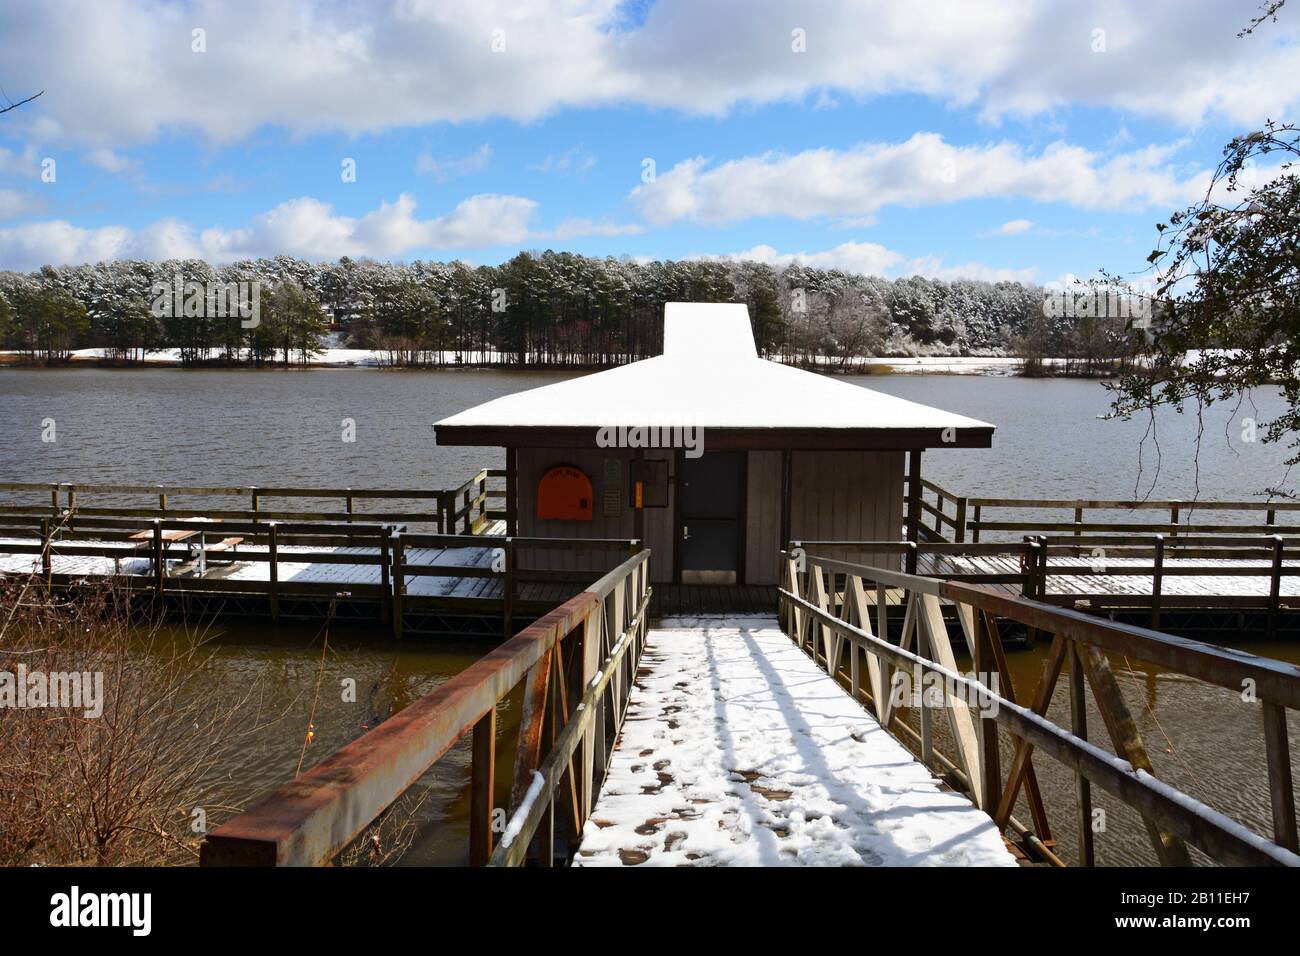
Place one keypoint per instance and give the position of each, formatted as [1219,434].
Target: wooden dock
[761,740]
[737,750]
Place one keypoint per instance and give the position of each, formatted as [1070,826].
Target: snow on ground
[737,750]
[372,358]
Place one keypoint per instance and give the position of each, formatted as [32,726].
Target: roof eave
[721,439]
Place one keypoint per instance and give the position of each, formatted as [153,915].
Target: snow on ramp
[737,750]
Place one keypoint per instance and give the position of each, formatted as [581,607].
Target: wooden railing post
[159,567]
[273,564]
[1079,727]
[399,582]
[508,590]
[348,506]
[482,788]
[985,659]
[254,501]
[1157,581]
[54,500]
[1281,792]
[162,499]
[975,531]
[959,533]
[46,544]
[385,577]
[1275,586]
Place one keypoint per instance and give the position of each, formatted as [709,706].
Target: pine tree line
[537,309]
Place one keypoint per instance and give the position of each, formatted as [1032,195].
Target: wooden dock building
[711,455]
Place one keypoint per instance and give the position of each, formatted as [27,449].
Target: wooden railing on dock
[576,663]
[383,559]
[839,614]
[466,508]
[961,518]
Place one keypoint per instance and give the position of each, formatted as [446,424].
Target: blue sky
[1018,139]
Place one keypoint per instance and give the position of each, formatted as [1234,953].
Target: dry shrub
[127,787]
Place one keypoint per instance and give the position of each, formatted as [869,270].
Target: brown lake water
[285,427]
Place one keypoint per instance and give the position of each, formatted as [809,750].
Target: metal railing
[825,608]
[576,665]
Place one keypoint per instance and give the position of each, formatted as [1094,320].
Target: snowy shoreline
[374,358]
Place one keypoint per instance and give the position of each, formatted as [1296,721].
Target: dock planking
[737,750]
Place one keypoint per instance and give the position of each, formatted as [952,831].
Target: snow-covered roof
[710,376]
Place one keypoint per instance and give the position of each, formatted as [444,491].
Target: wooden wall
[835,495]
[763,517]
[534,462]
[848,496]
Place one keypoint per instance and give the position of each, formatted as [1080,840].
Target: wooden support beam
[1083,787]
[1170,849]
[1056,654]
[960,722]
[1281,791]
[482,788]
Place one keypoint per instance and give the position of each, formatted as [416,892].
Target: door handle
[686,532]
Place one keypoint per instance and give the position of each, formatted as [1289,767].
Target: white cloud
[1015,227]
[126,72]
[305,227]
[108,160]
[20,163]
[14,204]
[454,166]
[575,160]
[924,170]
[869,258]
[578,226]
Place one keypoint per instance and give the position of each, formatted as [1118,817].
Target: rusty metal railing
[576,664]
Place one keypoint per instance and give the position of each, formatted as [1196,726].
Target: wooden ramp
[738,750]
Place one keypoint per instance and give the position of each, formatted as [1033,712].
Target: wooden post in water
[275,570]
